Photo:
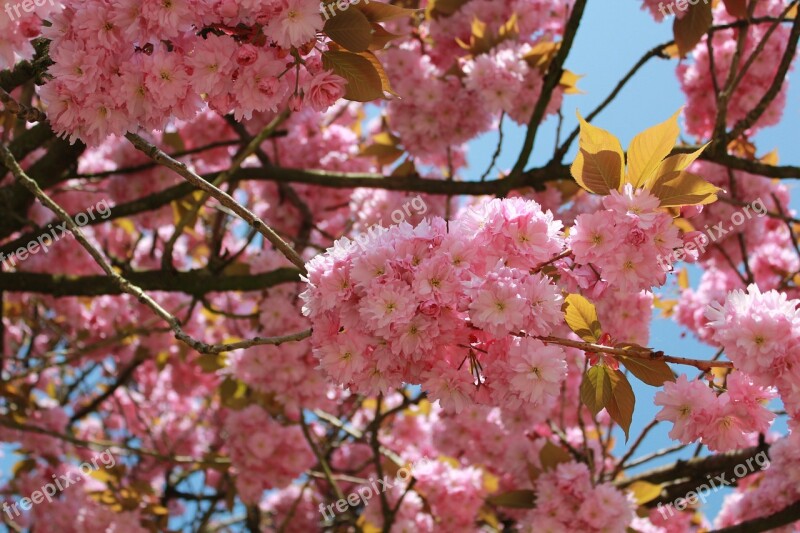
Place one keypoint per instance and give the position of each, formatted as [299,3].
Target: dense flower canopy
[246,284]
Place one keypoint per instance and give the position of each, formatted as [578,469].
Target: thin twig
[645,353]
[225,199]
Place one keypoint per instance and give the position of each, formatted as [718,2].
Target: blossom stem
[639,354]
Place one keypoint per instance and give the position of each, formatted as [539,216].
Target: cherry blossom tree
[246,286]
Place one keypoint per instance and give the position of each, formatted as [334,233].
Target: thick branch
[698,468]
[193,282]
[551,79]
[785,516]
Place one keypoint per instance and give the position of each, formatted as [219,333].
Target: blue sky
[611,38]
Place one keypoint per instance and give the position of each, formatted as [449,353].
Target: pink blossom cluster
[424,305]
[264,453]
[698,86]
[454,493]
[624,242]
[505,83]
[760,333]
[429,118]
[724,421]
[18,27]
[123,64]
[566,500]
[293,505]
[766,239]
[73,509]
[621,315]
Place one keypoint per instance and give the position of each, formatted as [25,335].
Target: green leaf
[679,188]
[596,388]
[351,29]
[363,80]
[581,317]
[620,406]
[652,371]
[516,499]
[690,28]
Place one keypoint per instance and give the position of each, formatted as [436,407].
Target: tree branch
[551,79]
[785,516]
[192,282]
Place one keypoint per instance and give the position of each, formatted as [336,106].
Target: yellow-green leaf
[673,163]
[621,404]
[652,371]
[103,475]
[23,467]
[690,28]
[351,29]
[683,279]
[381,37]
[569,82]
[381,12]
[596,388]
[385,154]
[552,455]
[515,499]
[443,8]
[363,80]
[541,54]
[581,317]
[736,8]
[386,86]
[644,492]
[211,362]
[649,148]
[683,188]
[404,169]
[600,164]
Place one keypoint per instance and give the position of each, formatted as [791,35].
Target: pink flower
[638,204]
[297,23]
[682,404]
[324,90]
[538,369]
